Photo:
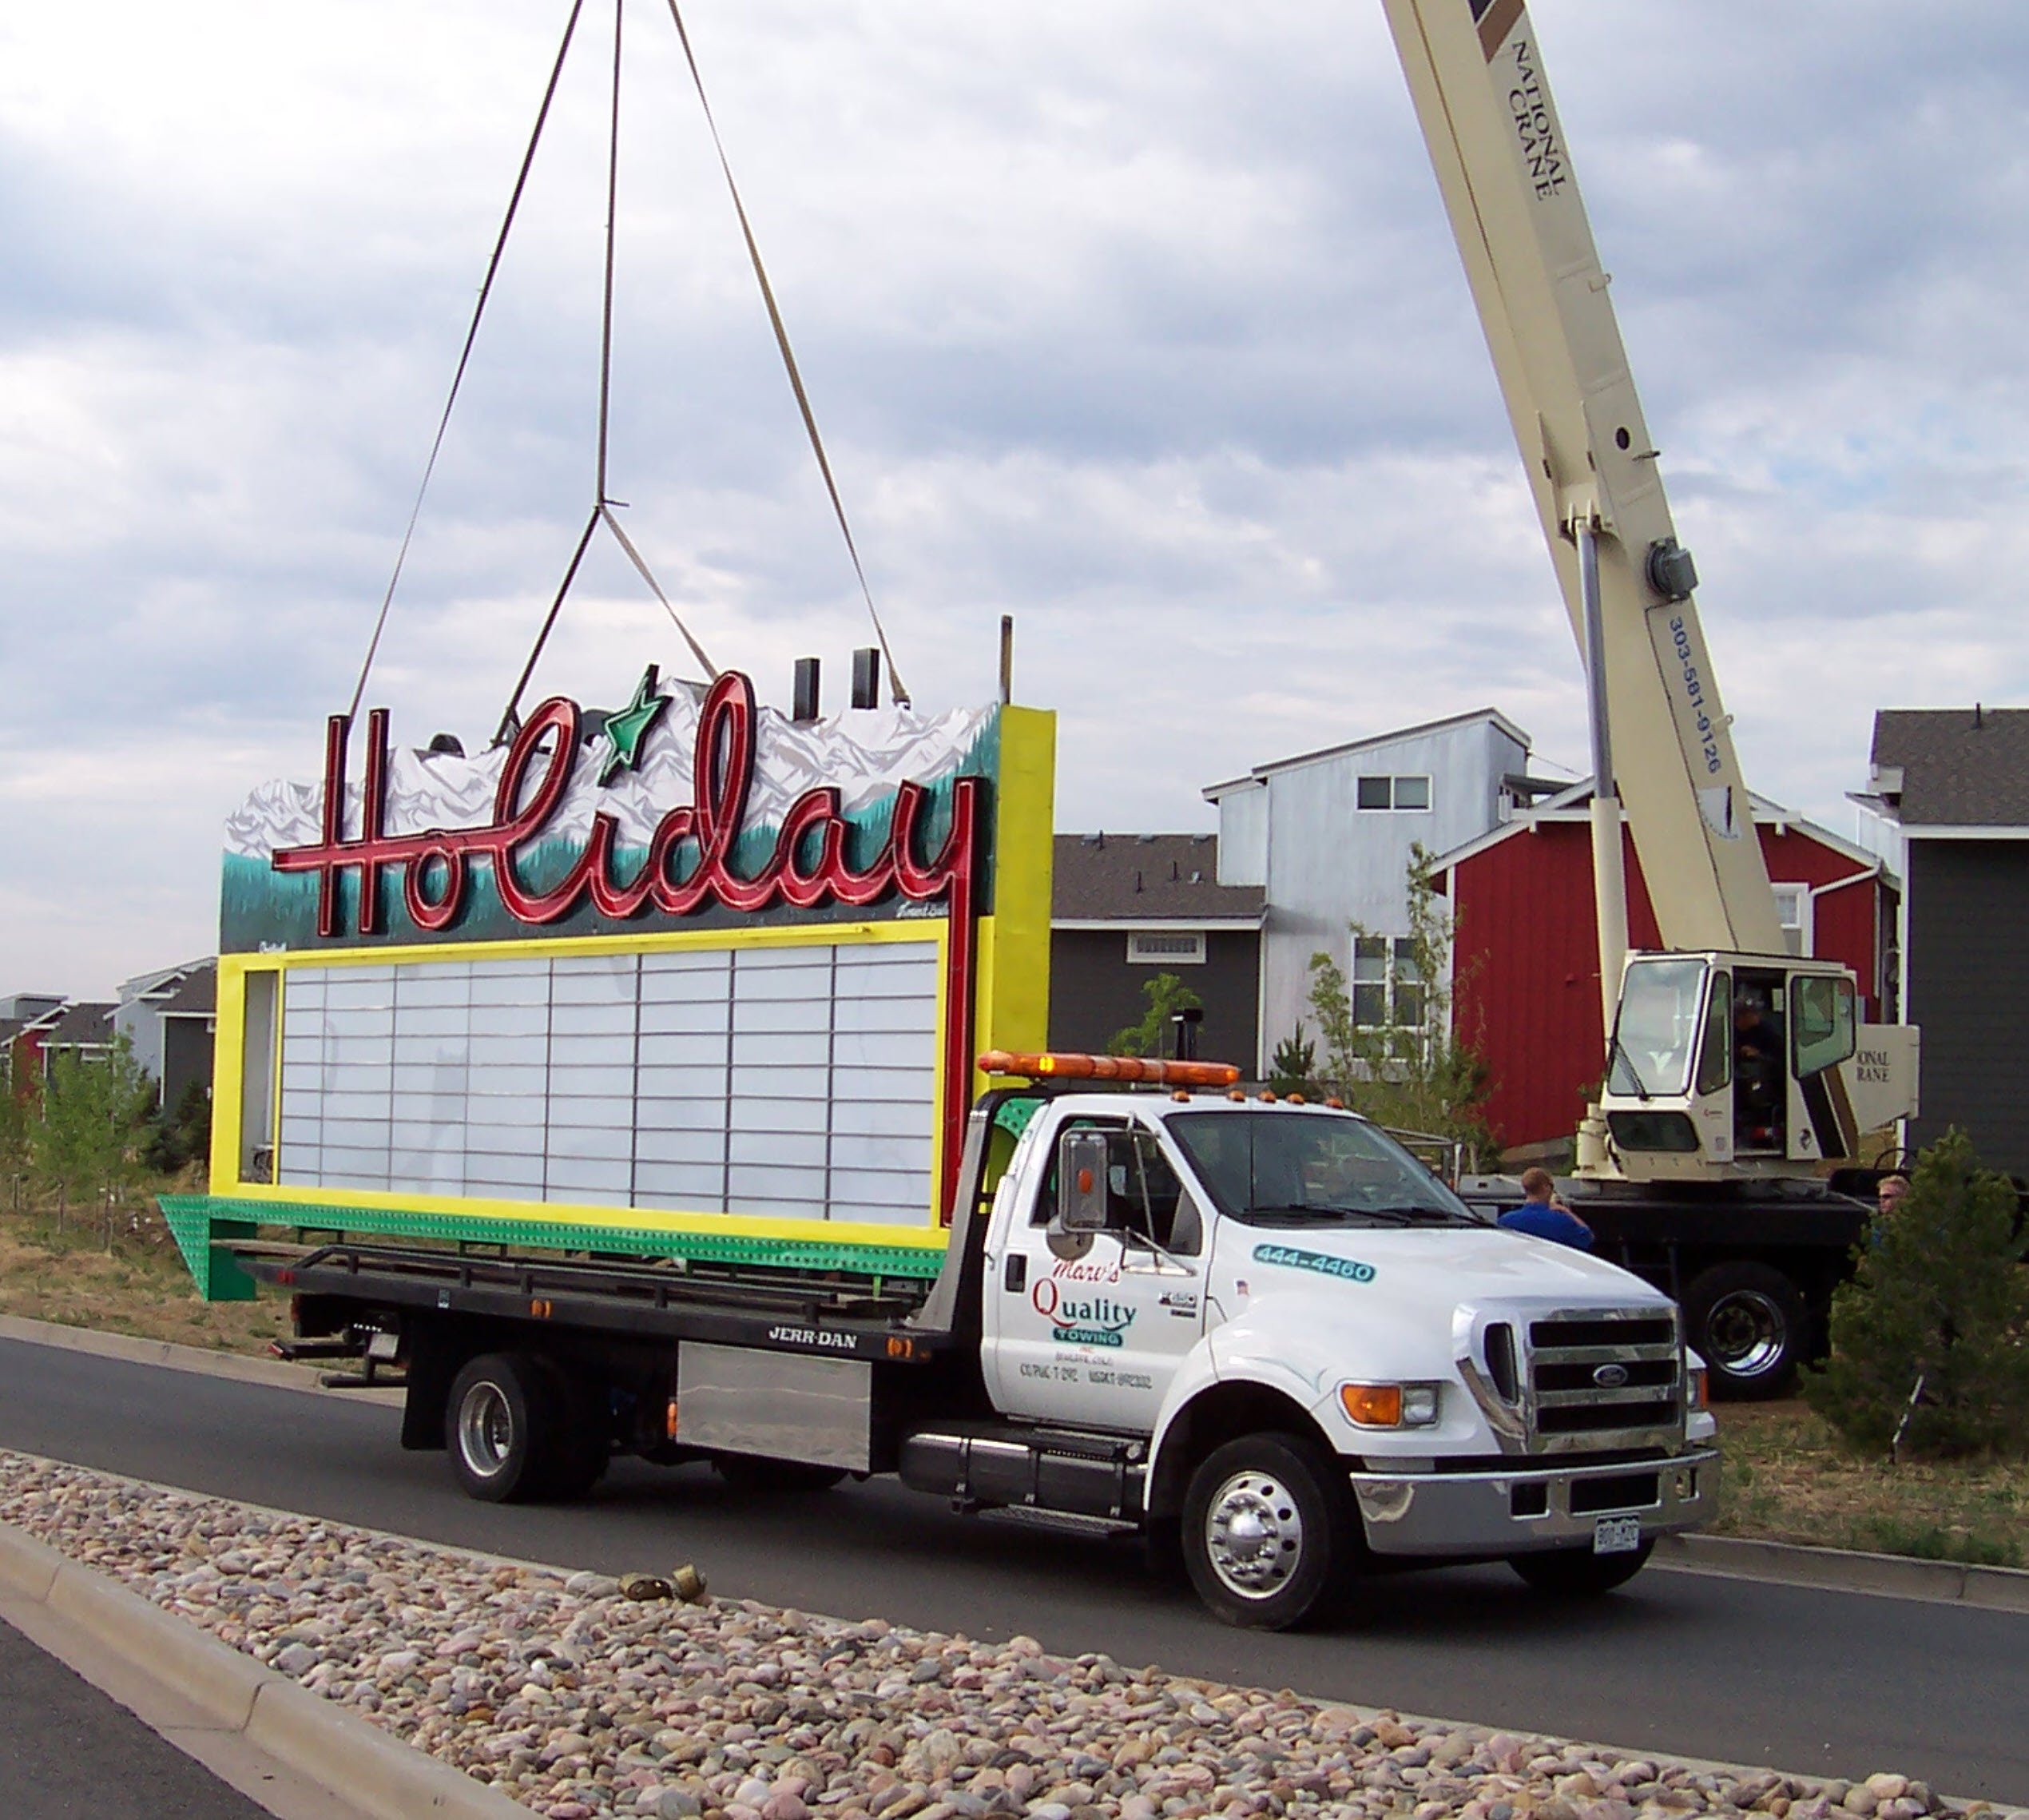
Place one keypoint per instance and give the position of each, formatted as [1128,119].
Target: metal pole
[1609,876]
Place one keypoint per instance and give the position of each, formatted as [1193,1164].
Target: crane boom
[1506,173]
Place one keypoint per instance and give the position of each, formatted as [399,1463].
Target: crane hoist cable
[465,354]
[603,511]
[898,692]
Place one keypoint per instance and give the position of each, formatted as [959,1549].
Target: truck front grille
[1593,1375]
[1596,1380]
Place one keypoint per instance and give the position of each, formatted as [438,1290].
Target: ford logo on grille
[1609,1376]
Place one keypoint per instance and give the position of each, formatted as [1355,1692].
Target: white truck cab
[1154,1264]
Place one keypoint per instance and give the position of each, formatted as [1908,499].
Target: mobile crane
[1734,1071]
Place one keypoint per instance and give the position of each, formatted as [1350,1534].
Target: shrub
[1166,996]
[1937,1295]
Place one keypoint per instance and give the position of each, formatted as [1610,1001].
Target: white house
[1327,835]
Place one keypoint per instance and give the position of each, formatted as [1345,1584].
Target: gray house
[1127,908]
[1327,835]
[1952,785]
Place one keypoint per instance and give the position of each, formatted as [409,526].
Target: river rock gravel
[578,1701]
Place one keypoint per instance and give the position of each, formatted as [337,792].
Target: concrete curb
[1840,1570]
[379,1775]
[241,1368]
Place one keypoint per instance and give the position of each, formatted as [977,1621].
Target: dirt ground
[137,1286]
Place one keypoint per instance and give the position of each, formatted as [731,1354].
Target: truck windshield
[1311,1169]
[1656,1032]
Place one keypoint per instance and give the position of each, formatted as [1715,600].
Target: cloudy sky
[1141,322]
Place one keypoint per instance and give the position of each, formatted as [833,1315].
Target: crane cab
[1742,1064]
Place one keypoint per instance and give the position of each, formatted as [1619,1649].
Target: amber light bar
[1052,1065]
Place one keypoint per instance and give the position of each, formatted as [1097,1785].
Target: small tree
[1166,996]
[1408,1068]
[1293,1066]
[1938,1296]
[94,1116]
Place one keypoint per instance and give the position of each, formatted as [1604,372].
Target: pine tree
[1939,1295]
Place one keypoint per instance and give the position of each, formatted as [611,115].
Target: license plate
[1616,1534]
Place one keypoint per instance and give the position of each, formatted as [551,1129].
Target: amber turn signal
[1372,1405]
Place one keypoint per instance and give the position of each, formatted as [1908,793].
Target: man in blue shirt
[1542,1215]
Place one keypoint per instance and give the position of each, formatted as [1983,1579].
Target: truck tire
[1578,1573]
[521,1430]
[1748,1322]
[749,1473]
[501,1420]
[1269,1531]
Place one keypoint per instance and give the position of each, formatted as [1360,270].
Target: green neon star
[628,727]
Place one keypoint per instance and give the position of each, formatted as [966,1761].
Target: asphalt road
[1823,1683]
[68,1753]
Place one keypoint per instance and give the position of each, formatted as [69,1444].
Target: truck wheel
[1269,1528]
[1578,1573]
[1748,1322]
[499,1422]
[749,1473]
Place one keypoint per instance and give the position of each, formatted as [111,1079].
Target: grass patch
[124,1275]
[1789,1478]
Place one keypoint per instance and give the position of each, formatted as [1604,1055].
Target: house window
[1793,911]
[1387,989]
[1149,947]
[1409,793]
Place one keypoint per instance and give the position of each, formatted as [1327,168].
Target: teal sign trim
[199,1220]
[1350,1268]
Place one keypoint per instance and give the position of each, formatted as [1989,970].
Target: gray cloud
[1141,323]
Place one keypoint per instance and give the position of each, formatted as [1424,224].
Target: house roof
[1573,802]
[1146,878]
[1262,773]
[1953,767]
[196,995]
[82,1025]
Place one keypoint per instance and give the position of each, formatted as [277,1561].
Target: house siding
[1094,992]
[1330,864]
[1968,987]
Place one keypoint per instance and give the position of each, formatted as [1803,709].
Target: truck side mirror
[1082,1181]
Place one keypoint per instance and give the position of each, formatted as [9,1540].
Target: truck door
[1089,1328]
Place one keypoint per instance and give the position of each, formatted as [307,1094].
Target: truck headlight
[1696,1394]
[1390,1406]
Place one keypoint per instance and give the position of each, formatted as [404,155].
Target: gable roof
[196,995]
[1146,878]
[82,1025]
[1262,773]
[1952,767]
[1573,802]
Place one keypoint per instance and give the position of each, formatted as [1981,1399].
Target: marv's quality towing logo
[1351,1269]
[1080,1320]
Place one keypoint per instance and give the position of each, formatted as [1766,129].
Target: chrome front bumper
[1518,1509]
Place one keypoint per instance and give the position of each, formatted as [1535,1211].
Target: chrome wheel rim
[486,1429]
[1254,1535]
[1747,1333]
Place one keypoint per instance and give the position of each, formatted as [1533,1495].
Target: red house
[1526,950]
